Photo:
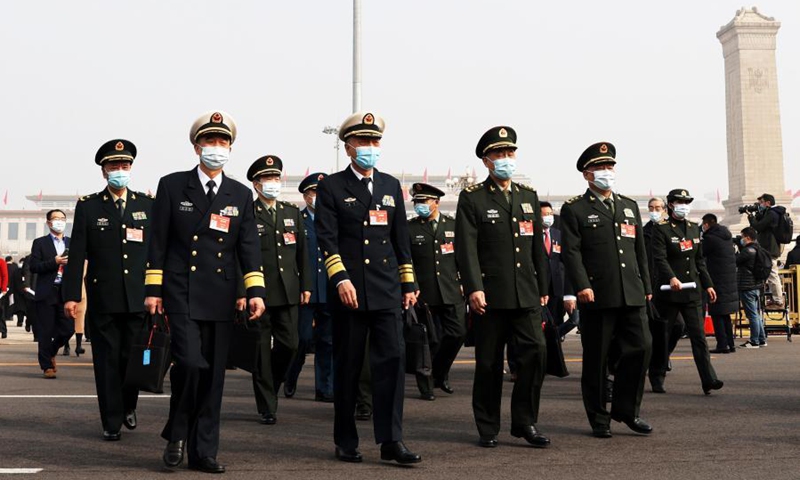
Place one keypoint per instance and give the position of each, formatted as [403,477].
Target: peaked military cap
[362,124]
[496,138]
[601,153]
[118,150]
[423,191]
[310,181]
[266,165]
[679,194]
[215,121]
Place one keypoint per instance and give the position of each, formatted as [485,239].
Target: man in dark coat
[721,263]
[765,222]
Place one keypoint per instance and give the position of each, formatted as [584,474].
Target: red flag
[5,198]
[449,176]
[39,197]
[719,199]
[307,172]
[651,193]
[796,194]
[285,177]
[425,176]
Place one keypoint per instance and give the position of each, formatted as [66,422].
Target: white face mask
[214,158]
[681,210]
[655,217]
[271,190]
[548,221]
[58,226]
[604,179]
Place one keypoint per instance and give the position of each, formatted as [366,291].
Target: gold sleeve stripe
[335,268]
[406,273]
[332,259]
[151,278]
[155,272]
[254,279]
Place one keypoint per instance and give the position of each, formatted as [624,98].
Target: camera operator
[765,221]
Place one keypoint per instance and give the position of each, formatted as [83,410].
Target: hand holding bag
[418,351]
[245,343]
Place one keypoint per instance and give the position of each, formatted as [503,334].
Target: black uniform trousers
[693,317]
[199,352]
[451,329]
[53,330]
[274,357]
[386,365]
[624,332]
[522,329]
[113,337]
[314,333]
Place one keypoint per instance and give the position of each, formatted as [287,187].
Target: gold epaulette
[526,187]
[87,197]
[288,204]
[145,195]
[473,188]
[574,199]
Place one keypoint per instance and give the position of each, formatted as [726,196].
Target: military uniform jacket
[434,258]
[116,251]
[500,246]
[319,278]
[678,253]
[192,266]
[605,251]
[283,253]
[370,249]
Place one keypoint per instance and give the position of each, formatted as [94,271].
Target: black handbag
[556,365]
[418,351]
[150,356]
[245,343]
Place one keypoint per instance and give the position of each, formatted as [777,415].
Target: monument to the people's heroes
[755,147]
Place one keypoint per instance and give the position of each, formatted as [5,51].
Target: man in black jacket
[720,256]
[48,260]
[765,221]
[204,235]
[750,288]
[111,231]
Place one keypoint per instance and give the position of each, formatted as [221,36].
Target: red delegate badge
[526,229]
[628,231]
[686,245]
[220,223]
[378,217]
[289,238]
[447,248]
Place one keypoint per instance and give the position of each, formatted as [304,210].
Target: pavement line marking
[11,471]
[71,396]
[36,364]
[568,360]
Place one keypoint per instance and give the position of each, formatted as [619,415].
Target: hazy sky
[563,74]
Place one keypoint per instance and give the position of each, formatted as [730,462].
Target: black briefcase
[556,365]
[245,343]
[418,350]
[150,356]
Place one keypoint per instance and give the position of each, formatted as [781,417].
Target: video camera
[748,208]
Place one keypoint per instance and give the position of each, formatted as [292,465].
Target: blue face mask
[422,209]
[367,157]
[504,168]
[118,179]
[271,190]
[214,158]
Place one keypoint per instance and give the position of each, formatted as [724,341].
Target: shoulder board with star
[288,204]
[525,187]
[626,198]
[473,188]
[574,199]
[144,195]
[87,197]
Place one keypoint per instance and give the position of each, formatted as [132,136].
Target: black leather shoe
[714,386]
[657,383]
[397,451]
[111,436]
[268,419]
[363,413]
[323,397]
[720,350]
[637,425]
[65,352]
[130,420]
[531,435]
[207,465]
[173,454]
[444,386]
[289,390]
[345,455]
[488,441]
[601,431]
[429,396]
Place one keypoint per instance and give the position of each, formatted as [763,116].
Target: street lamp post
[335,132]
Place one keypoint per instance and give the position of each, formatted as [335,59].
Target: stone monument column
[755,146]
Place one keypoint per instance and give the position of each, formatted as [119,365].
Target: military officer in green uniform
[110,235]
[678,258]
[433,255]
[500,251]
[606,259]
[285,262]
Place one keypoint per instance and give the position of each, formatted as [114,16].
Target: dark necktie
[271,211]
[120,206]
[366,181]
[434,224]
[507,194]
[610,204]
[211,193]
